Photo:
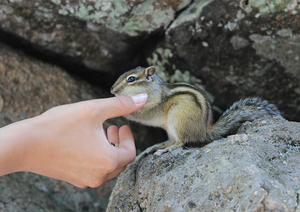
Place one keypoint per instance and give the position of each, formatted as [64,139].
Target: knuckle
[112,166]
[95,183]
[132,158]
[79,185]
[132,154]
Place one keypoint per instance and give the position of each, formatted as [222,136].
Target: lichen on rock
[269,6]
[130,17]
[285,49]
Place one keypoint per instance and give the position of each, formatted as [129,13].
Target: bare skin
[69,143]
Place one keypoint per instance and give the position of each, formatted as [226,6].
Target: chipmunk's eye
[131,79]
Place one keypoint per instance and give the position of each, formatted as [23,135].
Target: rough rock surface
[29,87]
[230,48]
[238,49]
[255,170]
[103,36]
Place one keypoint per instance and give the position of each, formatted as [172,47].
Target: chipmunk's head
[136,81]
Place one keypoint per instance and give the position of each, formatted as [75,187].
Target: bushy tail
[241,111]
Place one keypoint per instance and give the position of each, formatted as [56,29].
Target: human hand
[69,143]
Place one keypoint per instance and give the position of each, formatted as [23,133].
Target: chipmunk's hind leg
[174,129]
[162,148]
[166,148]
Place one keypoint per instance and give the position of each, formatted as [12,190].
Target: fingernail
[139,98]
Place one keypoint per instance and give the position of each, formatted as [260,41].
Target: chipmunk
[183,110]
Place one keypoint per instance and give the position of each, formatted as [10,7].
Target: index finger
[126,149]
[121,105]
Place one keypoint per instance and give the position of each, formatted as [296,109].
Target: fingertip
[126,136]
[113,135]
[140,99]
[122,105]
[112,129]
[125,129]
[127,145]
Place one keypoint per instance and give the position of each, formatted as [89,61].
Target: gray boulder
[238,49]
[230,48]
[93,36]
[255,170]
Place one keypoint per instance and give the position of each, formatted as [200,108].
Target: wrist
[14,145]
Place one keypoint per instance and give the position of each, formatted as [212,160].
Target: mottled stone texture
[238,54]
[102,36]
[30,87]
[229,48]
[255,170]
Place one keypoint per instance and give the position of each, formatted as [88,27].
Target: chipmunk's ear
[150,71]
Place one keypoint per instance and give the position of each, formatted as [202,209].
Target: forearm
[14,139]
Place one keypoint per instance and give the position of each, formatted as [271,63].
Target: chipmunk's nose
[112,90]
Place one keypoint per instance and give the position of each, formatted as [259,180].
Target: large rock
[237,50]
[29,87]
[255,170]
[101,36]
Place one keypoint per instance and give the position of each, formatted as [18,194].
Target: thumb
[122,105]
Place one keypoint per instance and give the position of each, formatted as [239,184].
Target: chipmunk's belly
[156,121]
